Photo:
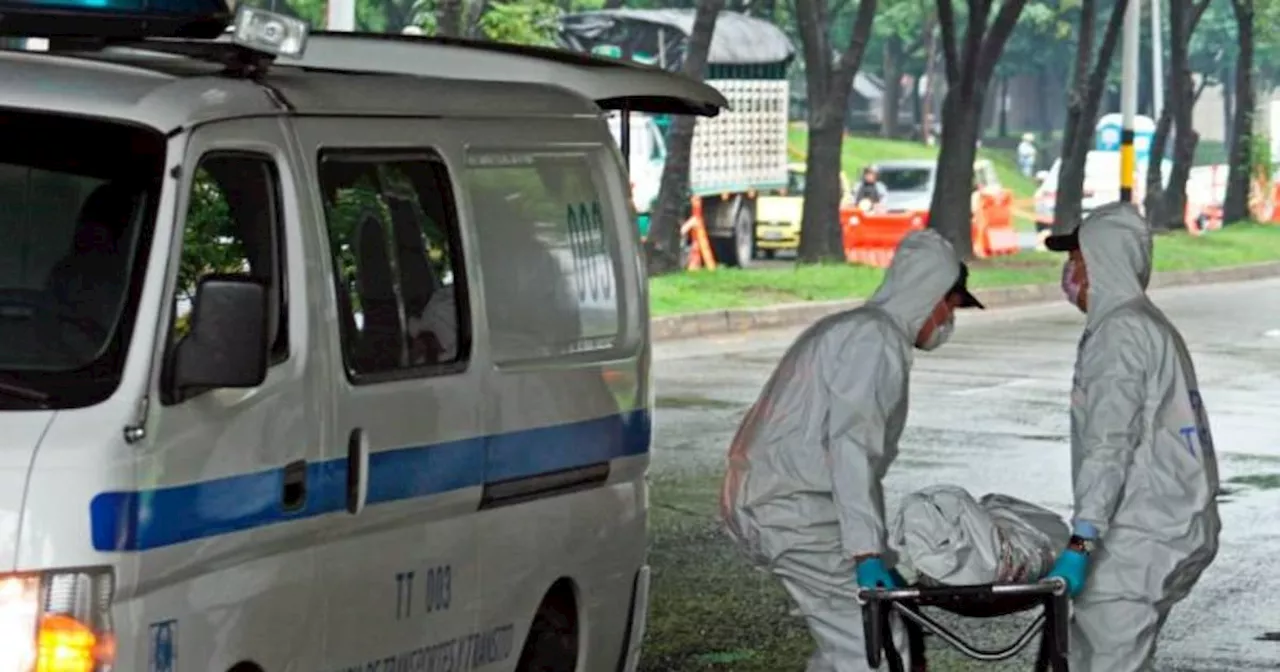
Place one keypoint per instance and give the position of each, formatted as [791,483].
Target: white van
[337,362]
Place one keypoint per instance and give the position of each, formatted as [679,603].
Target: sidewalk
[739,320]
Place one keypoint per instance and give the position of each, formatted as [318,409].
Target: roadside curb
[741,320]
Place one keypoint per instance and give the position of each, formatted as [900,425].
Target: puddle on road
[1260,481]
[1251,457]
[749,358]
[1047,438]
[919,463]
[693,401]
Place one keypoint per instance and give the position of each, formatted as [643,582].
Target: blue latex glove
[872,574]
[1071,567]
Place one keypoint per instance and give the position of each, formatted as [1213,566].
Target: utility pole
[1157,63]
[1129,97]
[341,15]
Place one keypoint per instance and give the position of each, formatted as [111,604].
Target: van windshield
[77,199]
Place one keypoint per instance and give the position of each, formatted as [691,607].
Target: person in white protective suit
[1142,460]
[802,494]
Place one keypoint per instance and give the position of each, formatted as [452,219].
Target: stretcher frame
[984,601]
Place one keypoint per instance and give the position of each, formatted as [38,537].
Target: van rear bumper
[636,622]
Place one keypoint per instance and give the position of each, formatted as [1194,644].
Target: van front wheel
[552,644]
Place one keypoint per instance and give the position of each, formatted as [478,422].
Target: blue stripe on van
[146,519]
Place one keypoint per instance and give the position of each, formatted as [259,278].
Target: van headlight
[57,621]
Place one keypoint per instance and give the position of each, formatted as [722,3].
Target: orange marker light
[67,645]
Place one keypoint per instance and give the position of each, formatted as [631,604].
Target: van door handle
[357,471]
[293,494]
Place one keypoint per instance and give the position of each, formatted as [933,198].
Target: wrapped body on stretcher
[943,536]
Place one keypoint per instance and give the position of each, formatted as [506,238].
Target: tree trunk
[892,87]
[931,75]
[968,77]
[1166,207]
[475,10]
[1228,96]
[951,211]
[1083,102]
[663,243]
[1153,204]
[1003,129]
[917,102]
[1044,85]
[449,18]
[1236,206]
[820,236]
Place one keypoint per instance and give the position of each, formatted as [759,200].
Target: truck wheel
[769,254]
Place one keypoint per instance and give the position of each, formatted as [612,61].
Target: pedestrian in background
[1027,153]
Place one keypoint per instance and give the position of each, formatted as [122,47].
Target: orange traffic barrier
[695,230]
[871,236]
[1202,207]
[1263,197]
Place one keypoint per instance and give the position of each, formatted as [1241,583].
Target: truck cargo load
[736,155]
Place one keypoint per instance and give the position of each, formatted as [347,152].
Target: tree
[968,76]
[1082,110]
[663,244]
[449,17]
[1043,38]
[902,30]
[520,22]
[828,85]
[1236,205]
[1165,206]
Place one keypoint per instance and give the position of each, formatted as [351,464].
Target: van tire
[245,667]
[552,643]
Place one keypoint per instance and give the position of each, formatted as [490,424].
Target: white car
[1101,184]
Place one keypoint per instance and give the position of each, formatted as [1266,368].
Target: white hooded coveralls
[1142,459]
[802,493]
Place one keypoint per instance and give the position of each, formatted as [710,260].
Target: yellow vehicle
[778,216]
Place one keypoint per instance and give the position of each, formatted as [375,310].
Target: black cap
[1063,242]
[960,290]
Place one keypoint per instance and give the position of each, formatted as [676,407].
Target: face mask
[1071,286]
[941,334]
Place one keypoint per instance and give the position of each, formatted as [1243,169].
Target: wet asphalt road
[989,412]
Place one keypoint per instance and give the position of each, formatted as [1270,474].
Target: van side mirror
[227,345]
[1041,176]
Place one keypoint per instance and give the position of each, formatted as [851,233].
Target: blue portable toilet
[1107,135]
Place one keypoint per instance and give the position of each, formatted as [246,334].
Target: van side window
[234,225]
[397,258]
[547,242]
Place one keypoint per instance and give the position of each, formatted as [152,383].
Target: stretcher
[985,601]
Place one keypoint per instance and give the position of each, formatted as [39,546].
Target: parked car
[778,216]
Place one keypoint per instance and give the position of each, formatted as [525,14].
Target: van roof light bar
[114,20]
